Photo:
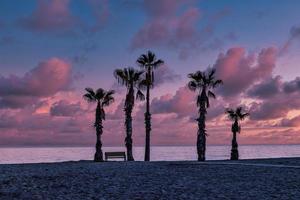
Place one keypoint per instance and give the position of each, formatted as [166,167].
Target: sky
[50,50]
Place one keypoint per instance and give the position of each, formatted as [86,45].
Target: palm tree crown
[102,97]
[131,78]
[236,115]
[204,82]
[149,62]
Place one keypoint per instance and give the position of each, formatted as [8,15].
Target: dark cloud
[266,89]
[292,86]
[165,75]
[274,108]
[239,70]
[65,109]
[293,37]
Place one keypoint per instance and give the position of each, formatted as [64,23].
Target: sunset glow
[50,50]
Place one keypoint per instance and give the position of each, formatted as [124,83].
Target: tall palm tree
[131,78]
[236,116]
[102,98]
[204,82]
[149,62]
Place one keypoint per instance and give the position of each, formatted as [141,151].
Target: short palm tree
[130,78]
[149,62]
[204,82]
[236,116]
[102,98]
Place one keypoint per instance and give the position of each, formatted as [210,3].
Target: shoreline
[222,179]
[281,159]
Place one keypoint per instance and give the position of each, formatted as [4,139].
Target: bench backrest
[115,155]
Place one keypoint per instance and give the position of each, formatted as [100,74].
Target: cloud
[278,98]
[53,15]
[65,109]
[274,108]
[48,78]
[239,70]
[292,86]
[165,75]
[174,25]
[293,122]
[165,27]
[294,35]
[266,89]
[183,104]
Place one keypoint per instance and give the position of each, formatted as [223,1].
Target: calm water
[57,154]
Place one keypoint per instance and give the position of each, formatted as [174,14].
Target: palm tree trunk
[148,119]
[234,144]
[128,124]
[98,157]
[201,136]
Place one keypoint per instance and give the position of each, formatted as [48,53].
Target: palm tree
[131,78]
[236,116]
[102,98]
[149,62]
[204,82]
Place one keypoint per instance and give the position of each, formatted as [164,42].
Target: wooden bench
[119,154]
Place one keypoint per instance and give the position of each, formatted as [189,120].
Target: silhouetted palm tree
[149,62]
[235,116]
[204,82]
[131,78]
[102,98]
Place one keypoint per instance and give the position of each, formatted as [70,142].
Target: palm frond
[211,94]
[244,115]
[121,76]
[90,90]
[157,63]
[99,93]
[88,97]
[217,83]
[108,98]
[192,85]
[230,113]
[140,96]
[211,74]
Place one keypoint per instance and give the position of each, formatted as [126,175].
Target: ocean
[158,153]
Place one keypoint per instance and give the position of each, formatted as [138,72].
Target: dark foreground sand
[249,179]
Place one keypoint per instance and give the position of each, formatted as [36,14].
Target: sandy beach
[247,179]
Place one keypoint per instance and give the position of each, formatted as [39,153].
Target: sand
[247,179]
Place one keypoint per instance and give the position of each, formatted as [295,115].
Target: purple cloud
[48,78]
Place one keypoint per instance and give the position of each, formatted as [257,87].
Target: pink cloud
[56,16]
[50,16]
[239,70]
[183,104]
[48,78]
[165,27]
